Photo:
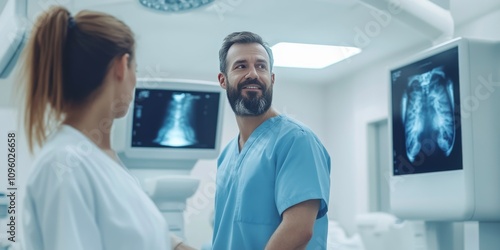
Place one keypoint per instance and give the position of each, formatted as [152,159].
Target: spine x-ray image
[177,129]
[175,118]
[426,115]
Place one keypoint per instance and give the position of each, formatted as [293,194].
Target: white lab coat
[78,198]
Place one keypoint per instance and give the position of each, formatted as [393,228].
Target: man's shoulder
[292,131]
[289,126]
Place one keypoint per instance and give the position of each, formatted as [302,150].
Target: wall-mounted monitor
[13,30]
[444,121]
[174,119]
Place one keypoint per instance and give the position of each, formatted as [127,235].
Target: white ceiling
[186,45]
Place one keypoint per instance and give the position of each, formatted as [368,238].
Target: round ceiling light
[174,5]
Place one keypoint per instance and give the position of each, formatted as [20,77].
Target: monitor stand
[168,183]
[489,235]
[473,235]
[169,192]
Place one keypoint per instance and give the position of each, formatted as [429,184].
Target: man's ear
[121,66]
[272,78]
[222,80]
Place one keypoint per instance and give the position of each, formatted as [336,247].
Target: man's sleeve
[303,172]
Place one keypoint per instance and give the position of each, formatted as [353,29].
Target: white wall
[484,27]
[353,102]
[7,89]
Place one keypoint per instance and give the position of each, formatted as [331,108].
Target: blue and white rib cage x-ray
[428,106]
[171,125]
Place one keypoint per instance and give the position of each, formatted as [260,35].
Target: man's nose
[252,73]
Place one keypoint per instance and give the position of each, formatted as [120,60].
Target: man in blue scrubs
[273,178]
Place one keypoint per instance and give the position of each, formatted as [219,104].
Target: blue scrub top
[282,164]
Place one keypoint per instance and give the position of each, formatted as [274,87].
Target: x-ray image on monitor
[177,129]
[175,119]
[426,115]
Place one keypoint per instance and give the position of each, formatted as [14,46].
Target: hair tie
[71,23]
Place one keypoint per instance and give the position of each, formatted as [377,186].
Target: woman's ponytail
[44,73]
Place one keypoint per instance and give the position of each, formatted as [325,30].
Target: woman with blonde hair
[80,76]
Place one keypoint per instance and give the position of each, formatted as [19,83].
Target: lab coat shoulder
[61,165]
[61,198]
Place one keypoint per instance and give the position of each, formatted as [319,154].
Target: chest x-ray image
[170,118]
[426,115]
[427,112]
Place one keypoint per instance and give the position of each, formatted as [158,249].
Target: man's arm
[296,229]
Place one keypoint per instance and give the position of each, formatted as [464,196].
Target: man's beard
[252,104]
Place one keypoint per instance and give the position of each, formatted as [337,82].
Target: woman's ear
[121,66]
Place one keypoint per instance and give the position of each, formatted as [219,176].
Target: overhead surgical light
[174,5]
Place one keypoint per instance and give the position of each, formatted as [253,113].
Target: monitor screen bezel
[419,66]
[168,152]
